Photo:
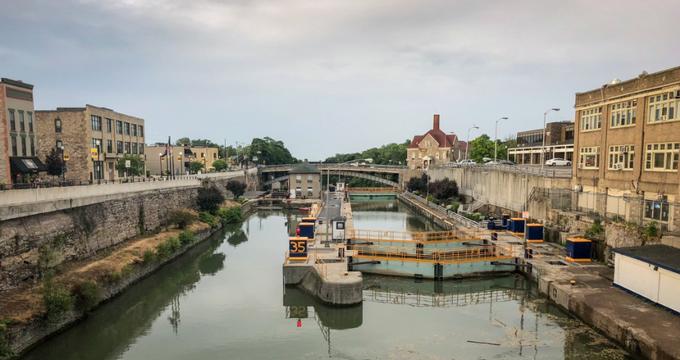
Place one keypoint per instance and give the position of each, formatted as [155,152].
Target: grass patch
[182,218]
[148,256]
[168,247]
[186,237]
[57,300]
[87,295]
[209,219]
[5,349]
[230,215]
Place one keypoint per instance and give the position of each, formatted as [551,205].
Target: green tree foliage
[183,141]
[236,187]
[195,142]
[136,165]
[269,152]
[219,165]
[483,147]
[54,162]
[181,217]
[390,154]
[209,199]
[195,167]
[418,184]
[444,189]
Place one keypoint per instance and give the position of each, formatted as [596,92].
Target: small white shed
[651,271]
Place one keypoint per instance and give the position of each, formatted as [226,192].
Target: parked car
[558,162]
[467,162]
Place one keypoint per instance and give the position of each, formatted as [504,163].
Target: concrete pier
[324,274]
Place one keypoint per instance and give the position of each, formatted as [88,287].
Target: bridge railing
[396,236]
[383,189]
[546,171]
[451,214]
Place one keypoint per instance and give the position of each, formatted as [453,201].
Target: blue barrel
[505,218]
[306,230]
[491,225]
[516,225]
[534,232]
[579,249]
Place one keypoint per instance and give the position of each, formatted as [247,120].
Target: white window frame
[591,119]
[668,153]
[623,114]
[621,154]
[588,151]
[663,108]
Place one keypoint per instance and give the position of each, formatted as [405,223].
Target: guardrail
[451,214]
[547,171]
[405,236]
[387,189]
[427,255]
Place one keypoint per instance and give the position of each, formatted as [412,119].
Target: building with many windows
[433,148]
[627,146]
[159,156]
[304,181]
[18,133]
[92,139]
[559,143]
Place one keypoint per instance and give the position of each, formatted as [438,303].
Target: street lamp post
[545,116]
[495,141]
[468,140]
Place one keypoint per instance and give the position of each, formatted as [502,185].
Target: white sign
[127,164]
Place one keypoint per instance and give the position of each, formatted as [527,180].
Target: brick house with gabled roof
[433,148]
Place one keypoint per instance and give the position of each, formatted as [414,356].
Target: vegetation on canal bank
[69,290]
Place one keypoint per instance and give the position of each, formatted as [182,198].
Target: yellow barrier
[414,237]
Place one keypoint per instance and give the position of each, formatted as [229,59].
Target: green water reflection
[225,300]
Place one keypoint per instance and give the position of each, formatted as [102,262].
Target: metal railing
[547,171]
[427,255]
[444,211]
[405,236]
[382,189]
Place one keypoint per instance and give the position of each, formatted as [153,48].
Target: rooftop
[663,256]
[17,83]
[442,138]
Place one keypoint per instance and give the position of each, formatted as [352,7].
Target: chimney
[435,124]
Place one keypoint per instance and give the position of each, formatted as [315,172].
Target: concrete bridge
[276,173]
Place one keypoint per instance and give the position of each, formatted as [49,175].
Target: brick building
[559,143]
[182,157]
[627,146]
[433,148]
[18,133]
[78,130]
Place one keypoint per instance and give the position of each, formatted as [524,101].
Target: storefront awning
[26,165]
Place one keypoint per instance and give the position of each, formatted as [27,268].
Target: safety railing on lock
[404,236]
[453,299]
[444,211]
[414,254]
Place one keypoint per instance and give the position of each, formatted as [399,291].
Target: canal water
[225,300]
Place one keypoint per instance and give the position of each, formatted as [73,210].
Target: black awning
[26,164]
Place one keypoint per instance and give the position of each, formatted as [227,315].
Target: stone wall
[80,232]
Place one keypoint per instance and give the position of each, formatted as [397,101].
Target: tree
[209,199]
[54,162]
[269,151]
[444,189]
[183,141]
[418,183]
[483,147]
[390,154]
[219,165]
[195,167]
[236,187]
[136,165]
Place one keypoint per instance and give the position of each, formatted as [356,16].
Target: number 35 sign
[297,247]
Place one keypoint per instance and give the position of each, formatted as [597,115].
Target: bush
[474,216]
[231,215]
[208,218]
[219,165]
[186,237]
[168,247]
[209,199]
[595,231]
[430,198]
[454,206]
[182,218]
[148,256]
[418,184]
[444,189]
[236,187]
[87,295]
[651,230]
[56,299]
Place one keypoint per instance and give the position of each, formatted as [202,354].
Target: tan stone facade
[627,142]
[434,148]
[182,157]
[18,128]
[79,130]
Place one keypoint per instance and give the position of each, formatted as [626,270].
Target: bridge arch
[347,173]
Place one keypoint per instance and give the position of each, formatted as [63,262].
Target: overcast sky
[330,76]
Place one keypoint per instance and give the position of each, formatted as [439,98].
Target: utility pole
[545,116]
[495,141]
[467,147]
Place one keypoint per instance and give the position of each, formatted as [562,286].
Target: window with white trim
[657,210]
[623,113]
[591,119]
[589,157]
[662,157]
[621,157]
[663,107]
